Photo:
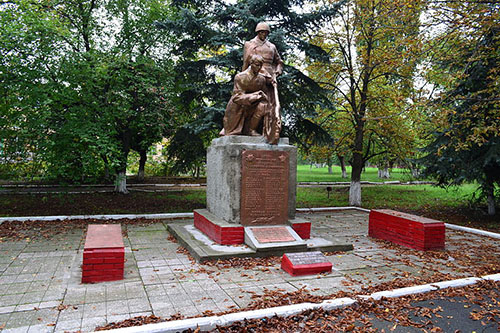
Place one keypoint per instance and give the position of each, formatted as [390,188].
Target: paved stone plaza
[41,290]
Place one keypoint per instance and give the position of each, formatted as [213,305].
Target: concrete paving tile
[22,329]
[312,284]
[187,311]
[116,308]
[53,295]
[350,261]
[155,290]
[173,288]
[49,304]
[20,319]
[89,324]
[38,286]
[94,294]
[138,305]
[32,297]
[44,316]
[4,317]
[94,310]
[25,277]
[40,328]
[116,292]
[11,299]
[117,318]
[27,307]
[141,314]
[71,313]
[6,310]
[18,288]
[68,325]
[166,312]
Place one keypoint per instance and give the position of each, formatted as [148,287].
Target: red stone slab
[221,234]
[272,234]
[305,263]
[104,236]
[264,187]
[303,229]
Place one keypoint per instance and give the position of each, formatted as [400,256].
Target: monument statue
[254,107]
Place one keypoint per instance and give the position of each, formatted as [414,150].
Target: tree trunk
[342,166]
[121,183]
[357,167]
[415,173]
[121,176]
[383,172]
[355,194]
[329,163]
[490,199]
[142,164]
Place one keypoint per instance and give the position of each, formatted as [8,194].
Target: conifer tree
[211,35]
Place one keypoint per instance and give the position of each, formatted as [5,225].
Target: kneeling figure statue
[254,107]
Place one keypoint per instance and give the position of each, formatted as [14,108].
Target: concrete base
[202,248]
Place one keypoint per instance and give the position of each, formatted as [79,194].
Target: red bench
[103,254]
[405,229]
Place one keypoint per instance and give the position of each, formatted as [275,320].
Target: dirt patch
[97,203]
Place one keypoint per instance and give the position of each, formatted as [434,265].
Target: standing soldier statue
[239,118]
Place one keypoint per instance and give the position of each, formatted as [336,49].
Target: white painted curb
[148,216]
[473,231]
[100,217]
[329,209]
[210,323]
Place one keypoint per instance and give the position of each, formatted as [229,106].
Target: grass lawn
[307,174]
[409,197]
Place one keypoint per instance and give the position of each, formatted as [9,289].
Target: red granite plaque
[272,234]
[305,263]
[264,187]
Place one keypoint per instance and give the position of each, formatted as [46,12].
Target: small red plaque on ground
[272,235]
[305,263]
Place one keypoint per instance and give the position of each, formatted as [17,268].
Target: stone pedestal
[251,189]
[250,182]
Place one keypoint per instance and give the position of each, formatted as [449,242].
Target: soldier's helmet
[262,26]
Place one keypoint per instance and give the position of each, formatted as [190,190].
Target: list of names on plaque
[264,187]
[306,258]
